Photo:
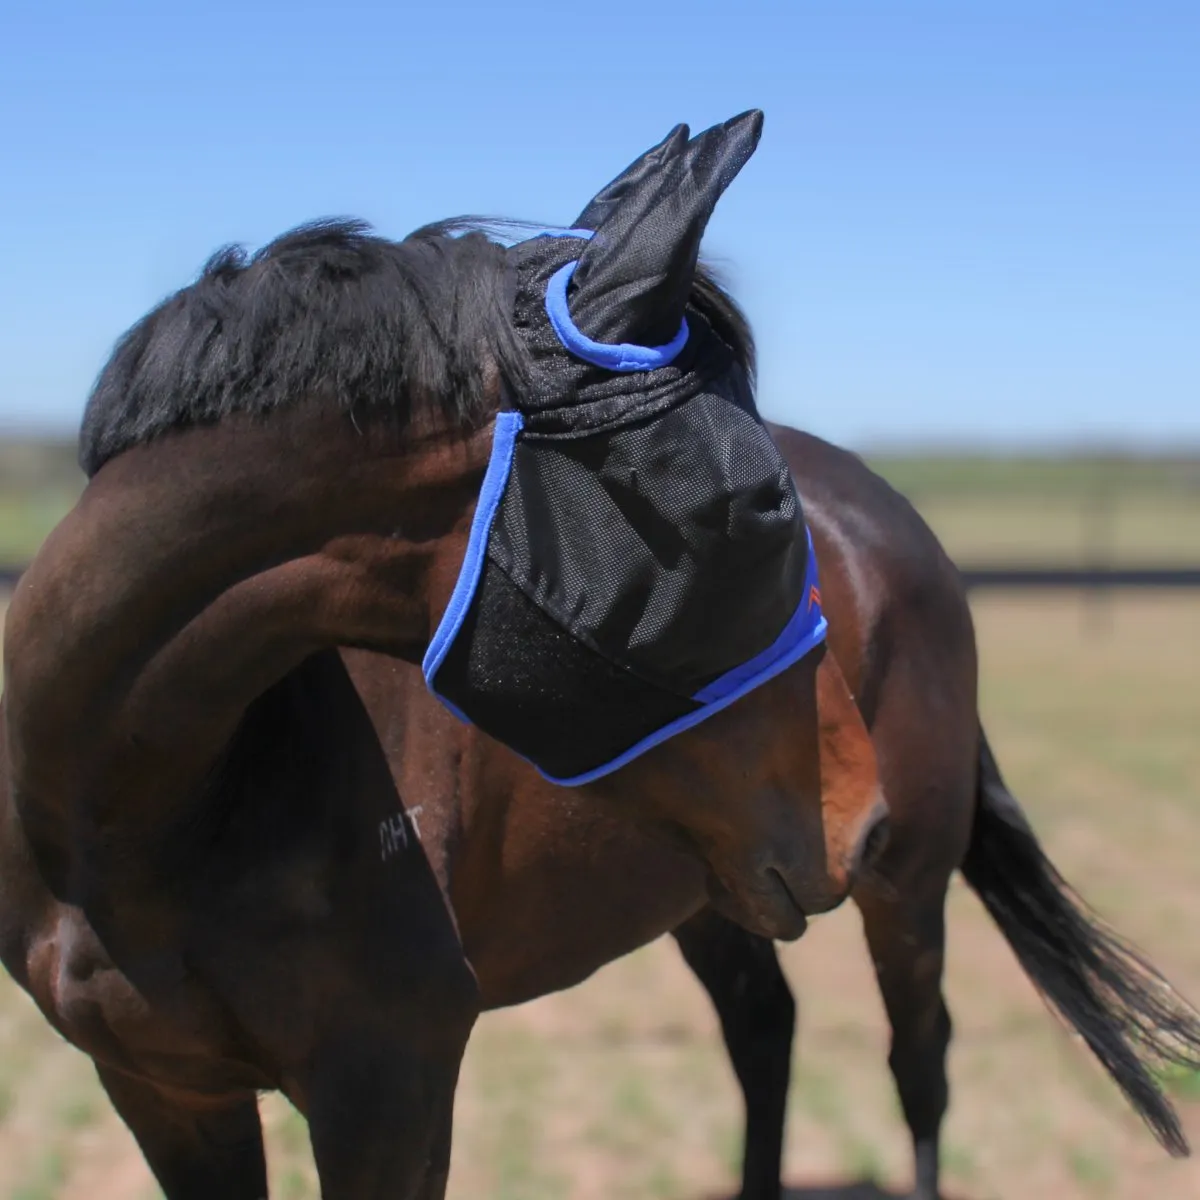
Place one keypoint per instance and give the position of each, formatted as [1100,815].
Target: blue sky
[971,221]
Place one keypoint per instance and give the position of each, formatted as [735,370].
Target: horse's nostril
[875,843]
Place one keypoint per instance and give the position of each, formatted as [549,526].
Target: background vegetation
[620,1088]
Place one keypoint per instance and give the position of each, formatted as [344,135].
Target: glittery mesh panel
[675,545]
[532,686]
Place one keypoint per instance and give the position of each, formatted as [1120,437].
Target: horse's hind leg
[754,1003]
[195,1154]
[906,934]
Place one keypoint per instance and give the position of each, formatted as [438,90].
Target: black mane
[331,308]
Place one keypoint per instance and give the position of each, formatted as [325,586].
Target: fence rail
[1079,578]
[1008,578]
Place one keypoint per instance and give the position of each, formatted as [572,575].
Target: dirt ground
[620,1088]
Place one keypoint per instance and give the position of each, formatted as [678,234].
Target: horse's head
[616,561]
[639,558]
[778,795]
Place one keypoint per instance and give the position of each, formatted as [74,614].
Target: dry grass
[620,1088]
[1156,530]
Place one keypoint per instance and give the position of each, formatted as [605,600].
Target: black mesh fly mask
[638,559]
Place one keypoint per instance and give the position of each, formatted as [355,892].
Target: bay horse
[208,879]
[547,889]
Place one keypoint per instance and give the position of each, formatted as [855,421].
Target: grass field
[1131,510]
[39,481]
[620,1088]
[1126,512]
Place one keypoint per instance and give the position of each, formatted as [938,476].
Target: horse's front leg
[377,1079]
[379,1112]
[741,973]
[196,1153]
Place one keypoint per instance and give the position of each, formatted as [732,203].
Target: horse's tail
[1132,1019]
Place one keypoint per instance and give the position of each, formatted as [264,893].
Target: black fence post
[1098,526]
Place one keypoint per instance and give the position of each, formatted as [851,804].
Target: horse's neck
[198,571]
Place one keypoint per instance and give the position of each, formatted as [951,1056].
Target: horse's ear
[633,279]
[605,201]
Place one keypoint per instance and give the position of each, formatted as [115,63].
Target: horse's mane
[334,309]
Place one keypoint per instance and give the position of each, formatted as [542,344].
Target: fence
[1007,578]
[1080,578]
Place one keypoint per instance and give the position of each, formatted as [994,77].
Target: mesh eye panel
[674,545]
[543,693]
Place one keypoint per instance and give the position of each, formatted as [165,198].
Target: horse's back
[844,498]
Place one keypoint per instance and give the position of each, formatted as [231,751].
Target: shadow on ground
[863,1190]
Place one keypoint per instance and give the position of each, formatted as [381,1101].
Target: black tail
[1123,1008]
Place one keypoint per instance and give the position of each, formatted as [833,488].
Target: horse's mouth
[768,909]
[796,917]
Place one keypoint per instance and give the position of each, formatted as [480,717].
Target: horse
[547,890]
[209,881]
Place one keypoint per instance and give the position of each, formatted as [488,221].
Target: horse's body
[547,889]
[207,882]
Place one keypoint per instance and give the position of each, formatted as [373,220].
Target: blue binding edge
[805,630]
[504,445]
[612,356]
[622,357]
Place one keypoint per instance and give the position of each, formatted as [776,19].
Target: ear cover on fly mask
[638,558]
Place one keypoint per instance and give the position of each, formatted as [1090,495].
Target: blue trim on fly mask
[495,479]
[801,635]
[622,357]
[612,356]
